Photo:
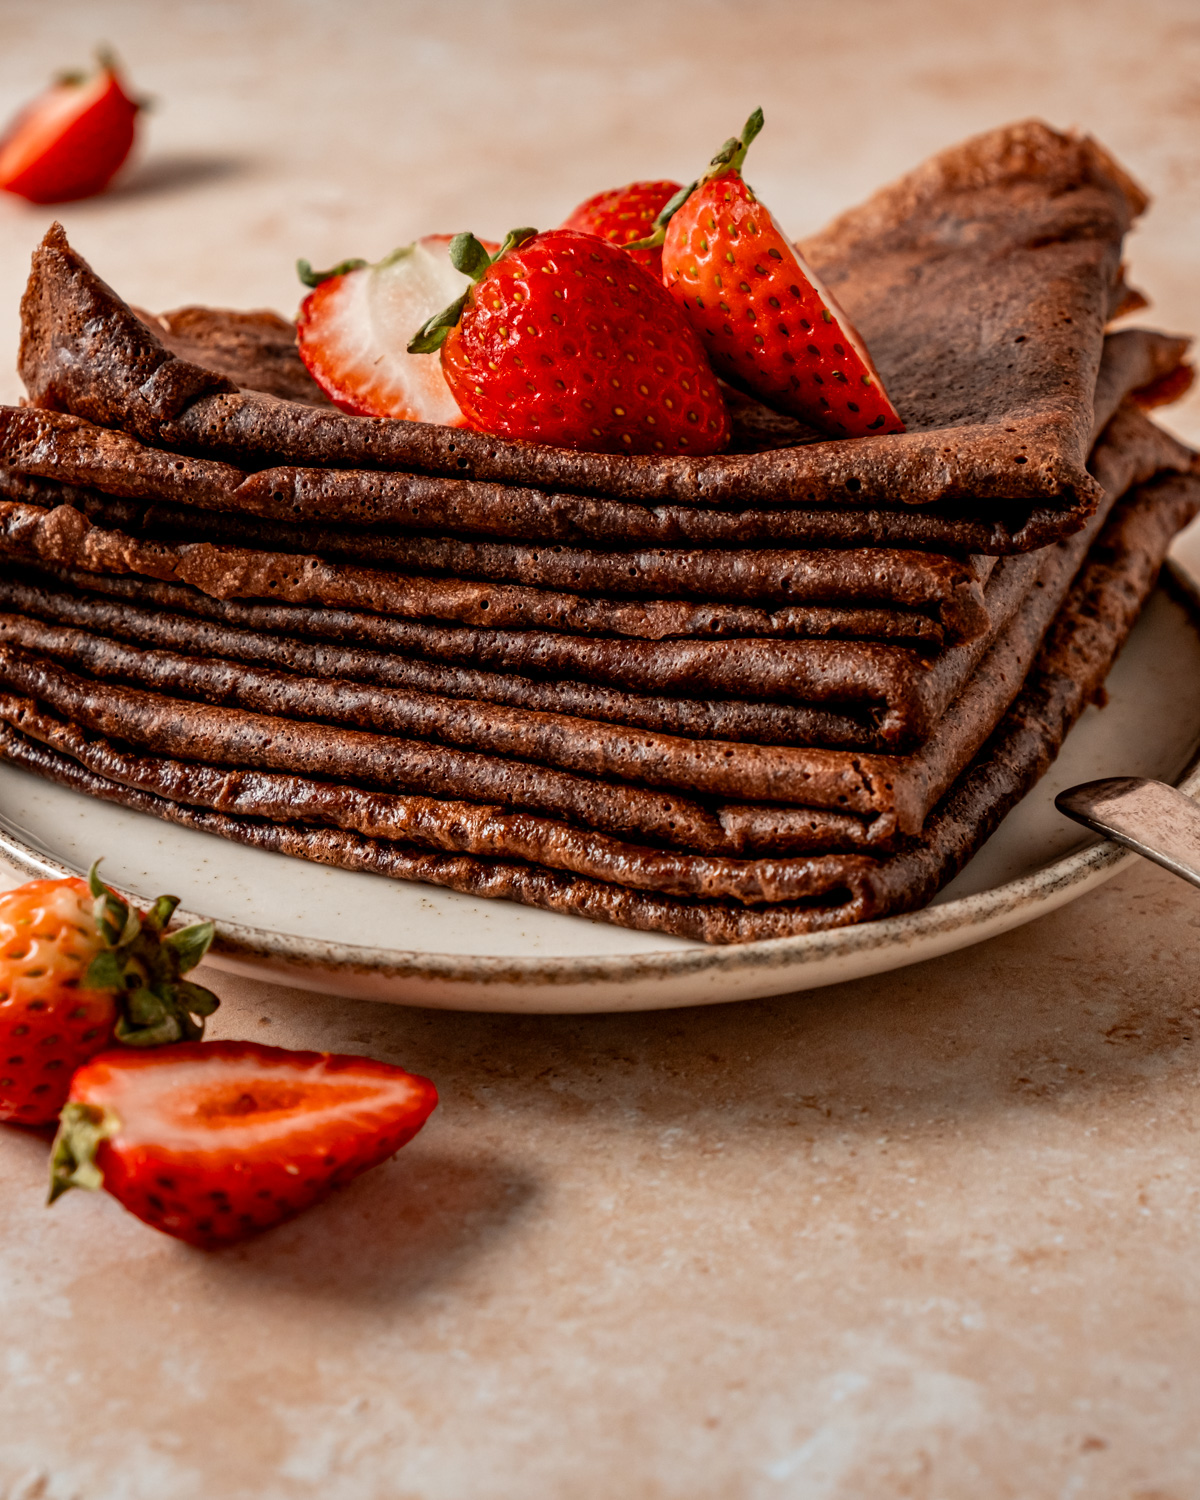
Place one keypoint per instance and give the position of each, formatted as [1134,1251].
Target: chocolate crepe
[832,891]
[878,694]
[981,282]
[232,714]
[549,763]
[66,453]
[65,536]
[944,592]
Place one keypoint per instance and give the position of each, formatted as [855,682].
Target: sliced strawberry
[215,1142]
[564,339]
[769,325]
[355,324]
[623,215]
[71,140]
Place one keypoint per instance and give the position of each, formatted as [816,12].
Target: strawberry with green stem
[80,968]
[770,327]
[562,338]
[212,1143]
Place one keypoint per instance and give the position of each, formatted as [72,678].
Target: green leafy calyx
[733,153]
[314,278]
[470,257]
[728,159]
[144,965]
[81,1128]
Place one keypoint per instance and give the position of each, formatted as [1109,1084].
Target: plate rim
[242,943]
[247,948]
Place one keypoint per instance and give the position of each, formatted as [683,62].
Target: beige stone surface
[930,1235]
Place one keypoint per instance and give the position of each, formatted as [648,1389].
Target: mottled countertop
[930,1235]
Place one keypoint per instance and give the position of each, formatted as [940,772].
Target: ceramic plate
[366,936]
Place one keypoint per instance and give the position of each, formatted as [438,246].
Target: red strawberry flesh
[214,1142]
[566,340]
[768,324]
[50,1022]
[70,141]
[769,327]
[623,215]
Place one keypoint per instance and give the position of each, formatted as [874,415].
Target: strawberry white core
[354,334]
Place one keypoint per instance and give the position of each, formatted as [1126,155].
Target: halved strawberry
[354,326]
[623,215]
[215,1142]
[70,141]
[770,327]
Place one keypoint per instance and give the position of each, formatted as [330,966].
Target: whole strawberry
[70,141]
[623,215]
[215,1142]
[79,968]
[769,326]
[564,339]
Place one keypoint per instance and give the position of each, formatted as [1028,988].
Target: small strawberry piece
[353,328]
[212,1143]
[622,215]
[564,339]
[769,325]
[71,140]
[79,968]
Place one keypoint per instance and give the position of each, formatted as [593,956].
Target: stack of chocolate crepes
[784,689]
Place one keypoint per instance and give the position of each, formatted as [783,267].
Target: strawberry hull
[78,969]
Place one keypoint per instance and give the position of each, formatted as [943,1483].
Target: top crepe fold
[982,283]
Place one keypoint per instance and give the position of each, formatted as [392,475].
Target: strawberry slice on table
[212,1143]
[354,325]
[71,140]
[623,215]
[562,338]
[769,325]
[80,968]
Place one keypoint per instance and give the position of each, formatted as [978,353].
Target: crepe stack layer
[783,689]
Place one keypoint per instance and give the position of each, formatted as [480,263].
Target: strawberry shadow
[172,172]
[411,1224]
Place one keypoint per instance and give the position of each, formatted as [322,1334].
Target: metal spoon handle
[1148,816]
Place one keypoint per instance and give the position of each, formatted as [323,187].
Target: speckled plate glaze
[364,936]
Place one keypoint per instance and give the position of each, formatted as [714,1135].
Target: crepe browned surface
[653,593]
[238,714]
[52,458]
[723,797]
[861,692]
[982,283]
[49,459]
[898,592]
[715,900]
